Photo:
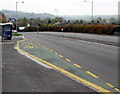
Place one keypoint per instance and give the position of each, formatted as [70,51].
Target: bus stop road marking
[61,56]
[91,84]
[69,74]
[110,85]
[117,89]
[68,60]
[92,74]
[77,65]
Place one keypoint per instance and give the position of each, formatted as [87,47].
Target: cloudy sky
[64,7]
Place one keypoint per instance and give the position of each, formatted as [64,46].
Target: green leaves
[24,21]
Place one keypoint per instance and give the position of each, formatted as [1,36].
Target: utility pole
[57,14]
[16,12]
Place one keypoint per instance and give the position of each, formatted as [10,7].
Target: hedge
[96,29]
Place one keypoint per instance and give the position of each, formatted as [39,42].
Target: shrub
[96,29]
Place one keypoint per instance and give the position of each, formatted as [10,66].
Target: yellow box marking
[77,65]
[110,85]
[68,60]
[101,89]
[61,56]
[92,74]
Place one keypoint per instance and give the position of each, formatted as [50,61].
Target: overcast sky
[64,7]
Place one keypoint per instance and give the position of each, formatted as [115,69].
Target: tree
[113,21]
[99,20]
[49,21]
[24,21]
[37,21]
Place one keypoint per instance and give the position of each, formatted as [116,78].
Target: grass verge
[16,34]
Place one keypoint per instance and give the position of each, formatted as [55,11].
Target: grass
[16,34]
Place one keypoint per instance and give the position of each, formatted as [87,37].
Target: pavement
[21,74]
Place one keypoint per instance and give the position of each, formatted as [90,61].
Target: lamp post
[118,12]
[57,14]
[91,10]
[16,12]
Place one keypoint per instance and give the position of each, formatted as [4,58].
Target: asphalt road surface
[20,74]
[100,59]
[105,38]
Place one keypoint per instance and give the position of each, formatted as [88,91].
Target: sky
[64,7]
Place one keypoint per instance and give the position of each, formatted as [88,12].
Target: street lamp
[57,14]
[118,12]
[16,12]
[91,11]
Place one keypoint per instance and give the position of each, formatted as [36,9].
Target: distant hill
[12,14]
[88,17]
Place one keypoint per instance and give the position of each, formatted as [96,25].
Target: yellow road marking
[101,89]
[68,60]
[47,48]
[117,89]
[110,85]
[77,65]
[55,53]
[92,74]
[61,56]
[51,50]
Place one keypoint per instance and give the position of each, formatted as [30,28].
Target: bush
[96,29]
[31,28]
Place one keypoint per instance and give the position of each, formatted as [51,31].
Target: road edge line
[101,89]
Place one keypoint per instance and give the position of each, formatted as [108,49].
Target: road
[102,38]
[21,74]
[99,59]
